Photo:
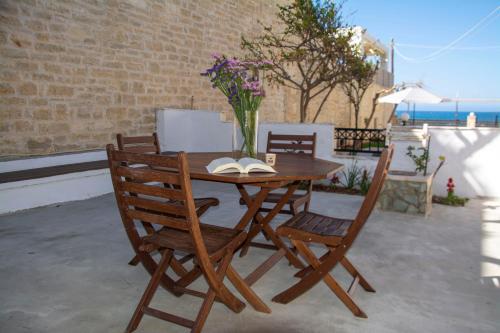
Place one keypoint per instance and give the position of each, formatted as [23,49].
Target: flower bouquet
[239,82]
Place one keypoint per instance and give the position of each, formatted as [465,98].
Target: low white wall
[51,160]
[472,160]
[51,190]
[193,131]
[202,131]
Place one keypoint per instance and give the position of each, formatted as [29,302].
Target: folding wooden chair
[337,235]
[141,196]
[150,145]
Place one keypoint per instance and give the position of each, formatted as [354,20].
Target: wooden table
[291,170]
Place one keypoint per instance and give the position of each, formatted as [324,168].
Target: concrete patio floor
[64,269]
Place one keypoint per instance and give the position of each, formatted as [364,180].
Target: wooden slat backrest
[140,192]
[291,143]
[140,195]
[139,144]
[372,195]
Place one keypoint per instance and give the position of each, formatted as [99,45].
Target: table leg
[261,223]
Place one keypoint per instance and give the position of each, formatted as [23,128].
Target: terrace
[65,266]
[106,123]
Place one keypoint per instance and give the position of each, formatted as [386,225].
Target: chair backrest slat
[155,218]
[139,144]
[157,206]
[136,158]
[144,175]
[166,193]
[372,195]
[291,144]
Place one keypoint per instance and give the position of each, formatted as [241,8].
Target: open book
[244,165]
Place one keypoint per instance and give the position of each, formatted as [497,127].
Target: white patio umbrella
[411,95]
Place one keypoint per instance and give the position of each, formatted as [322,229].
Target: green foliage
[451,200]
[419,160]
[365,182]
[360,75]
[309,52]
[353,176]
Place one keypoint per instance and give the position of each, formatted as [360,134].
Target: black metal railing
[453,123]
[354,140]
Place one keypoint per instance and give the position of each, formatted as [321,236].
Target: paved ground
[63,269]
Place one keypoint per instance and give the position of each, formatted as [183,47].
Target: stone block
[60,91]
[6,89]
[27,89]
[407,194]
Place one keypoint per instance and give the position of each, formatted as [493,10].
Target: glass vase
[245,135]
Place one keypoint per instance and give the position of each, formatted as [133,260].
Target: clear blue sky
[471,73]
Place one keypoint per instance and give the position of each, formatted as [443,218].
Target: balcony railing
[354,140]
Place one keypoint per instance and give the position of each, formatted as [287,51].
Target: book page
[224,165]
[254,165]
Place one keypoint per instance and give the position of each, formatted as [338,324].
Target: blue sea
[450,115]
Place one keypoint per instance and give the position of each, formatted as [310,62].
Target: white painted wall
[193,131]
[472,160]
[202,131]
[51,190]
[52,160]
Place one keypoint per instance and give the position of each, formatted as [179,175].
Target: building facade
[75,73]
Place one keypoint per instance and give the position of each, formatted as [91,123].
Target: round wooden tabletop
[289,167]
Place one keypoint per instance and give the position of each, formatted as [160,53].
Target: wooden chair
[337,235]
[150,145]
[141,197]
[290,144]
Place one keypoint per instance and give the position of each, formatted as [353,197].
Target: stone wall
[74,73]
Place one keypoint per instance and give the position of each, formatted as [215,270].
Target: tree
[375,103]
[309,51]
[360,76]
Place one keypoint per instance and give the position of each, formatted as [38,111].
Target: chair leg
[309,269]
[226,296]
[306,205]
[254,230]
[202,210]
[321,270]
[175,264]
[150,291]
[177,267]
[189,277]
[247,292]
[354,272]
[134,261]
[202,316]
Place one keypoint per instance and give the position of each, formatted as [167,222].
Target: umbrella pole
[413,114]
